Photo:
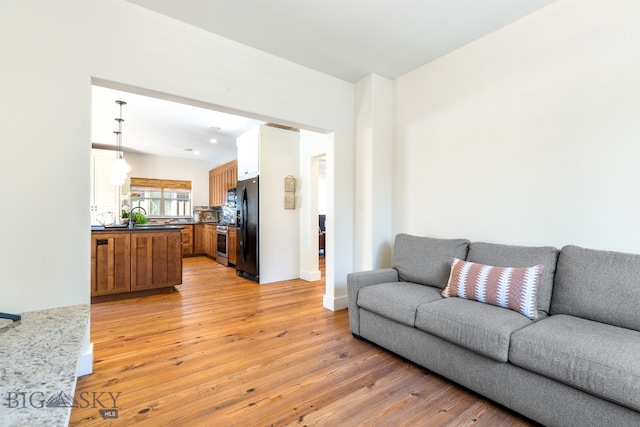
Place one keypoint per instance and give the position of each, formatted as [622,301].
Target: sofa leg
[358,336]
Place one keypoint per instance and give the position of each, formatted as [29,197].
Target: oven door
[222,245]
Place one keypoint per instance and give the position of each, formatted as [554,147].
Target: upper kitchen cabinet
[222,179]
[248,154]
[105,197]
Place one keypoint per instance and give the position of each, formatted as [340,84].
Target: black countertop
[153,226]
[136,228]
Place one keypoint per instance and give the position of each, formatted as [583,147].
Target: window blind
[168,184]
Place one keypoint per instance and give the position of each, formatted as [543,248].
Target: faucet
[131,221]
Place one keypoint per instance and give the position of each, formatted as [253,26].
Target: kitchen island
[129,262]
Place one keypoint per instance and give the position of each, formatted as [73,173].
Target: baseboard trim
[310,276]
[85,364]
[335,303]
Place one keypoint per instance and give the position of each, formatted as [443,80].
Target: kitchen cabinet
[104,196]
[233,239]
[210,237]
[222,179]
[187,239]
[248,154]
[198,239]
[212,192]
[206,239]
[110,263]
[156,260]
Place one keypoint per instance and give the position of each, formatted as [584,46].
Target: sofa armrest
[356,281]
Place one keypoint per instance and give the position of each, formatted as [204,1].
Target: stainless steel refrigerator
[248,212]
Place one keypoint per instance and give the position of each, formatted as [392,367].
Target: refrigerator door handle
[244,232]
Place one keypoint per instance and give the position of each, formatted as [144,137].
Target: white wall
[51,50]
[529,135]
[311,198]
[159,167]
[374,173]
[279,240]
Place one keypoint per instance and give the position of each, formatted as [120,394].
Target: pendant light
[120,167]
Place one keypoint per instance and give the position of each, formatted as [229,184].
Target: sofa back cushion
[520,256]
[603,286]
[426,260]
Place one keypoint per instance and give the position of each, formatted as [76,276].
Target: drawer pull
[102,242]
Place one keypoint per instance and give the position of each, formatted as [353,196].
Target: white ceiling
[172,128]
[347,39]
[350,39]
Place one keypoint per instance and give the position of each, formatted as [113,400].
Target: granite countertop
[38,364]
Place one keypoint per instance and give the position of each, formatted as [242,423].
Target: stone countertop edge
[39,360]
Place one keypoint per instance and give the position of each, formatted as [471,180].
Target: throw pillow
[508,287]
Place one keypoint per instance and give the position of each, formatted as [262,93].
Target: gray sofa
[578,364]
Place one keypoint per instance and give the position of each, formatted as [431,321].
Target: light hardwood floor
[224,351]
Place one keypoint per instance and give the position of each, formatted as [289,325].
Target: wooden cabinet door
[110,263]
[187,239]
[206,230]
[212,243]
[212,192]
[198,239]
[156,260]
[215,188]
[231,251]
[221,179]
[230,178]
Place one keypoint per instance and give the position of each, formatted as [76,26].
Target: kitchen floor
[226,351]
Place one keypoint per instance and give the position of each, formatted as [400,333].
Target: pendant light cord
[119,131]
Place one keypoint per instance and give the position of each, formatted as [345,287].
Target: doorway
[314,146]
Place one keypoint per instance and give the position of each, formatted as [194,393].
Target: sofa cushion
[397,301]
[426,260]
[519,256]
[594,357]
[598,285]
[507,287]
[482,328]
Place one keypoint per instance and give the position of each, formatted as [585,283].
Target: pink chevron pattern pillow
[508,287]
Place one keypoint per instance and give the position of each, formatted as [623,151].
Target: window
[161,197]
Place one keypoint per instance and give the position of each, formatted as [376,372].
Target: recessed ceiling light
[196,153]
[213,141]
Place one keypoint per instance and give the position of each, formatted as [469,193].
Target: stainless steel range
[222,244]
